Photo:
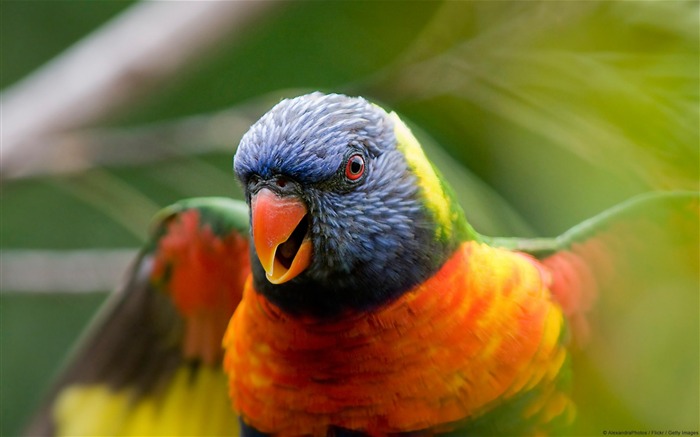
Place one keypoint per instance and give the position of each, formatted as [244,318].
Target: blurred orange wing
[151,362]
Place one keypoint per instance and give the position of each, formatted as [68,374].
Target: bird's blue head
[344,213]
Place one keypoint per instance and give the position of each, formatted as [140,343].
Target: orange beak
[279,235]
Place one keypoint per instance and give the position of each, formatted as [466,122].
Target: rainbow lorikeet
[363,302]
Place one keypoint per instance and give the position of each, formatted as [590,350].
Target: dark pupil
[355,165]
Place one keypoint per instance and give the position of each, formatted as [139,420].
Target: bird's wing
[151,362]
[662,209]
[650,235]
[628,281]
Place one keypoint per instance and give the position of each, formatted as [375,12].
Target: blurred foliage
[540,113]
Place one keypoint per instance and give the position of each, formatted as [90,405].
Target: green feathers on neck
[437,195]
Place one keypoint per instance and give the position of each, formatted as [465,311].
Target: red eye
[355,167]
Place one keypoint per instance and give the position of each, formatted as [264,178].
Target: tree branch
[116,65]
[72,271]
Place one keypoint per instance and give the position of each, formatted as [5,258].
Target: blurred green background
[541,114]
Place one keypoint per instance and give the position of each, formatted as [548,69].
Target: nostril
[281,182]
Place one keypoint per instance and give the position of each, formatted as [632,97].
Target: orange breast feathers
[481,330]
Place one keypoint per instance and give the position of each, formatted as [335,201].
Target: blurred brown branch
[80,150]
[72,271]
[106,71]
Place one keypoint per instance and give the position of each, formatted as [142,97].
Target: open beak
[280,226]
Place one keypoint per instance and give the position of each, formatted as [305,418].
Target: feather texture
[481,332]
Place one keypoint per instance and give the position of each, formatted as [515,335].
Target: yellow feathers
[192,404]
[435,198]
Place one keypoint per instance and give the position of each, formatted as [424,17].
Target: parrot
[347,296]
